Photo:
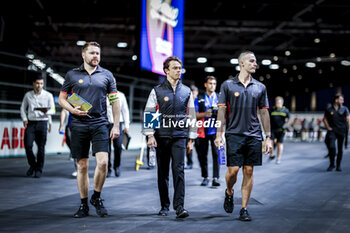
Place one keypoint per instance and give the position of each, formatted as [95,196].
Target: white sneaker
[278,161]
[74,174]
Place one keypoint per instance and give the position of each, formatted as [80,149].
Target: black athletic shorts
[279,135]
[243,150]
[81,136]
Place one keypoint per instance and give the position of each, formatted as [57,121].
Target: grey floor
[296,196]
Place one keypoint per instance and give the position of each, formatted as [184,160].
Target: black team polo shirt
[94,89]
[242,106]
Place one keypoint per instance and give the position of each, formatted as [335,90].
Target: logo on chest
[236,94]
[80,81]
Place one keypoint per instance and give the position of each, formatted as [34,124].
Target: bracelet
[268,136]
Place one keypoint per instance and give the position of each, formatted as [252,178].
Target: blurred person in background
[279,116]
[36,107]
[337,121]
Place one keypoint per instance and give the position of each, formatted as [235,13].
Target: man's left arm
[265,120]
[115,132]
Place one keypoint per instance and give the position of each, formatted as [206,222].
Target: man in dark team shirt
[337,121]
[239,99]
[93,83]
[279,117]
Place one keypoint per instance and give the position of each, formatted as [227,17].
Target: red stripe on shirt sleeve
[266,107]
[113,92]
[63,92]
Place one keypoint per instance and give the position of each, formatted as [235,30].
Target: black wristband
[268,136]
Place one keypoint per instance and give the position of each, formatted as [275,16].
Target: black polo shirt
[242,106]
[94,89]
[337,118]
[278,118]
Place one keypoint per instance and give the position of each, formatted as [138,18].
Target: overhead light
[332,55]
[274,66]
[300,77]
[295,67]
[49,70]
[345,63]
[287,53]
[318,59]
[41,65]
[81,42]
[261,78]
[183,71]
[320,71]
[275,58]
[201,59]
[122,44]
[268,76]
[57,77]
[30,56]
[234,61]
[310,65]
[317,40]
[285,70]
[266,62]
[209,69]
[332,68]
[134,57]
[238,68]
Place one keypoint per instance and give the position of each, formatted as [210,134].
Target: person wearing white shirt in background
[36,107]
[124,128]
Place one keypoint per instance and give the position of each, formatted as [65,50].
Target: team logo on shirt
[166,98]
[332,113]
[80,81]
[236,94]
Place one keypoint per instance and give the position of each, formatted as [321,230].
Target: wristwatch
[268,136]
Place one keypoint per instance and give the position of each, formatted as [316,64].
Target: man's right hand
[78,112]
[219,141]
[25,123]
[152,142]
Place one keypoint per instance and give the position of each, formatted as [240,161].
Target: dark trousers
[203,146]
[331,139]
[35,131]
[117,144]
[174,149]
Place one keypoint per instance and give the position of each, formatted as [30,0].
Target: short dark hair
[194,88]
[168,60]
[337,96]
[210,78]
[37,78]
[243,54]
[91,43]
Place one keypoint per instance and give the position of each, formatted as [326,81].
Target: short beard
[91,64]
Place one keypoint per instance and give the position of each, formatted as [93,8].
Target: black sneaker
[228,203]
[37,174]
[82,212]
[163,211]
[30,171]
[109,173]
[117,172]
[181,212]
[244,215]
[100,209]
[205,182]
[330,168]
[338,169]
[215,182]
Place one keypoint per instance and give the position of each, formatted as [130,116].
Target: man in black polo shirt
[93,83]
[239,99]
[337,121]
[279,117]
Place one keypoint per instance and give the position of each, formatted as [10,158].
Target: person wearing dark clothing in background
[206,110]
[337,121]
[279,116]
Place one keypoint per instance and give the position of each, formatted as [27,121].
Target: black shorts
[243,150]
[81,136]
[279,135]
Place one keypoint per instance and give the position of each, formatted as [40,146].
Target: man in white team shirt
[36,107]
[124,128]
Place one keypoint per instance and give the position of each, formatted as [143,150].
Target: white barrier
[12,133]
